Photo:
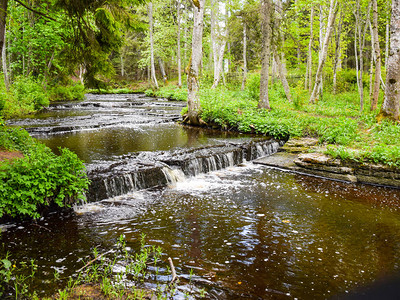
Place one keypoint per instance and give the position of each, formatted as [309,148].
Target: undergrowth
[40,178]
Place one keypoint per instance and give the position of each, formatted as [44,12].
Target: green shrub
[67,93]
[27,91]
[38,179]
[253,86]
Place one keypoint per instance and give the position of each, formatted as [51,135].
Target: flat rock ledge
[318,164]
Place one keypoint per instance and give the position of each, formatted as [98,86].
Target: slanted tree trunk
[244,56]
[179,45]
[308,81]
[193,115]
[329,29]
[377,51]
[162,69]
[265,55]
[282,76]
[152,67]
[391,104]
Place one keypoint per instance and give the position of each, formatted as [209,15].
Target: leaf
[6,263]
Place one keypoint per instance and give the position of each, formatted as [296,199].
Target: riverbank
[304,156]
[335,121]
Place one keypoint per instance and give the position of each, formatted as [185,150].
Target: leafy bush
[27,91]
[67,93]
[40,178]
[253,86]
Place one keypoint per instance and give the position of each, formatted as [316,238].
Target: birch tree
[377,56]
[152,67]
[244,55]
[178,41]
[308,81]
[391,104]
[265,55]
[359,36]
[219,38]
[193,115]
[324,52]
[279,60]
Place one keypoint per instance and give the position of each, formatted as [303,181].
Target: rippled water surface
[247,232]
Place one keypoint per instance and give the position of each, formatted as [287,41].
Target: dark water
[248,232]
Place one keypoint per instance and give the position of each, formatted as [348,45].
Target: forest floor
[10,155]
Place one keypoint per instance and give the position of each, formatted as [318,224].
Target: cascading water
[154,169]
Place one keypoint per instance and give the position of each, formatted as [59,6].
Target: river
[246,231]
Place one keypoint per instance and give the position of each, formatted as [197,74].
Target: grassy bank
[336,120]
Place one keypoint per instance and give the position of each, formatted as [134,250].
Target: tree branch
[35,11]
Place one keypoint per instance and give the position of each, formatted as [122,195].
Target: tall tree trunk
[337,53]
[4,63]
[360,37]
[244,56]
[391,104]
[219,46]
[152,67]
[3,20]
[193,116]
[179,45]
[265,55]
[318,76]
[377,50]
[387,37]
[309,54]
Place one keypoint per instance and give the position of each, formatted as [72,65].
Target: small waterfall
[155,169]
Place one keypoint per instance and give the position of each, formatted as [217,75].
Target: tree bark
[377,50]
[282,76]
[3,20]
[308,81]
[219,46]
[162,69]
[4,63]
[390,107]
[152,67]
[318,76]
[244,56]
[193,116]
[265,55]
[337,53]
[387,38]
[179,45]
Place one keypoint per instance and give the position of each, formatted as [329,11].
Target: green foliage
[15,139]
[28,91]
[253,86]
[40,178]
[169,92]
[67,93]
[13,281]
